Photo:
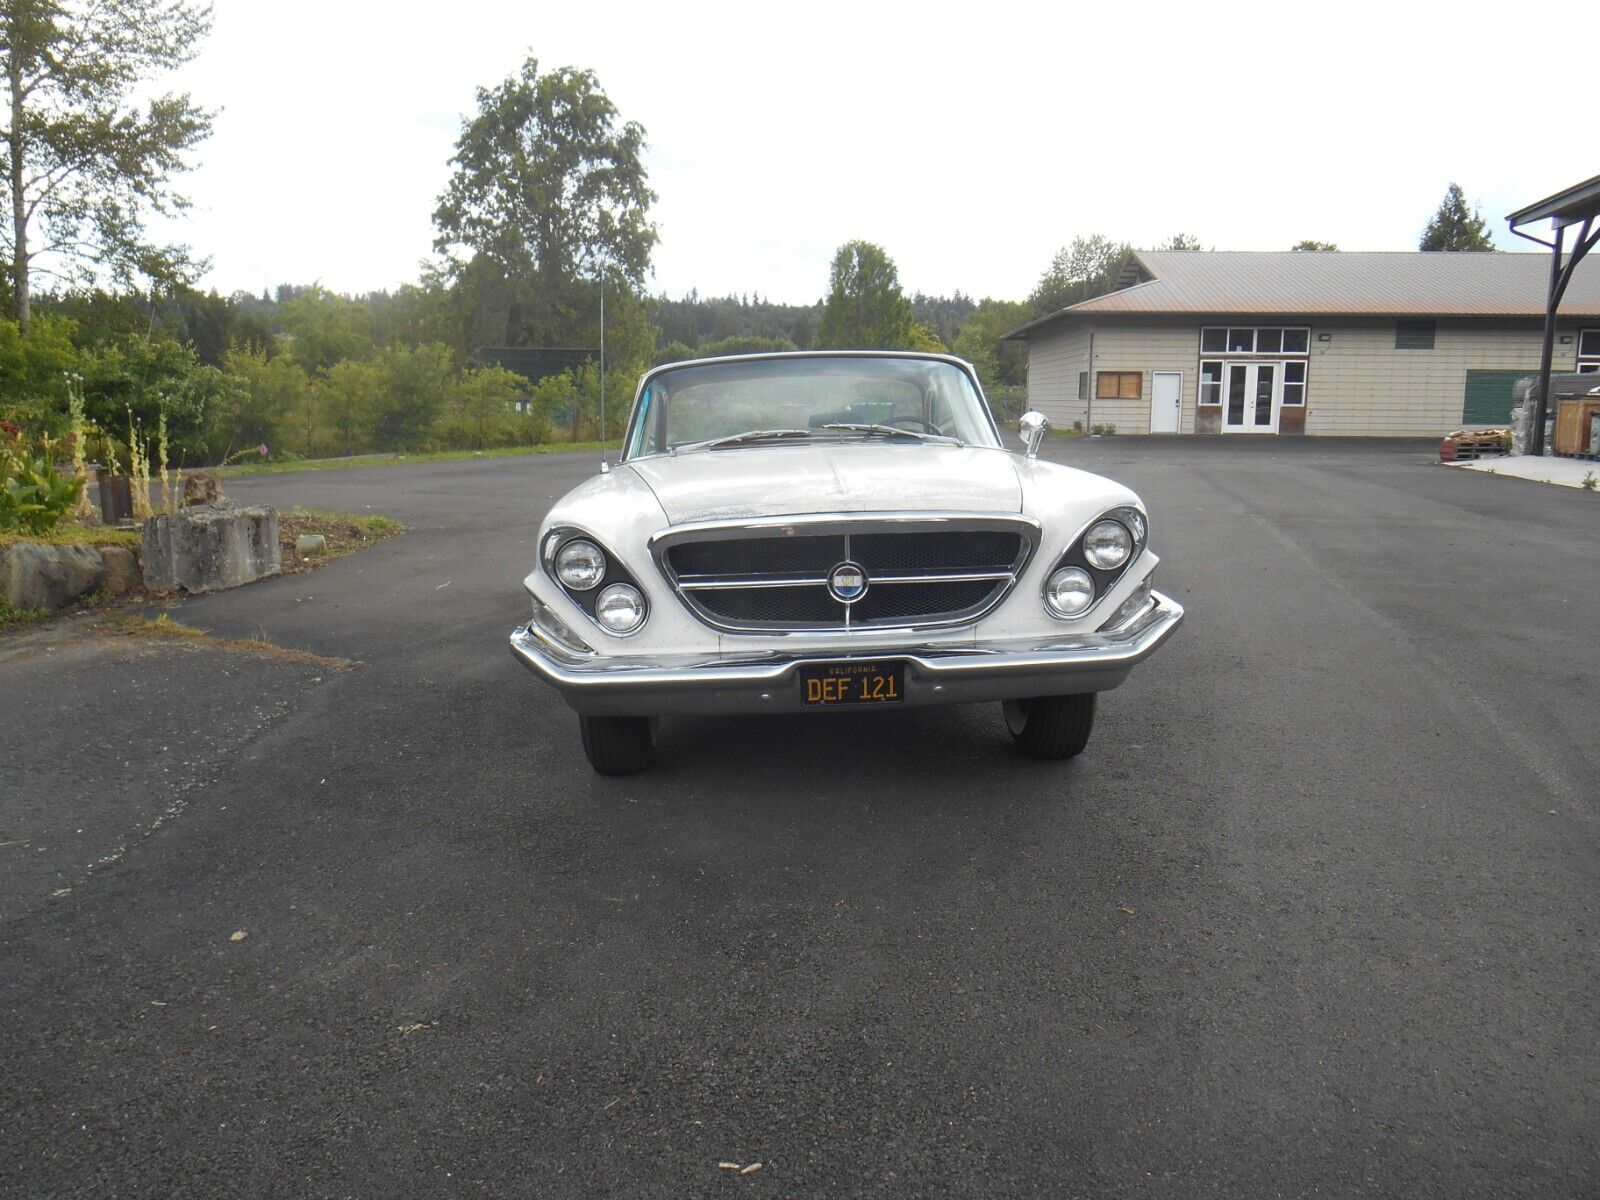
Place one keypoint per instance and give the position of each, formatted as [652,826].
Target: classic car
[836,532]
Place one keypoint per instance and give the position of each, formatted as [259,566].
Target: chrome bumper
[768,681]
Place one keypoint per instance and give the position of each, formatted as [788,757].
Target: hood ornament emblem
[847,582]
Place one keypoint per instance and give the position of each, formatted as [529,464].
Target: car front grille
[920,571]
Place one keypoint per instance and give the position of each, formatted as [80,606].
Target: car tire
[1052,727]
[617,745]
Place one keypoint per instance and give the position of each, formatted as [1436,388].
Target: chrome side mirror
[1033,427]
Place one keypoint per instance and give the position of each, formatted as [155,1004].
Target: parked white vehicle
[836,531]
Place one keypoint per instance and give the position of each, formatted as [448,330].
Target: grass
[390,460]
[164,628]
[70,533]
[12,617]
[346,533]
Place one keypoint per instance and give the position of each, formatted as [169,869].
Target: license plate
[829,685]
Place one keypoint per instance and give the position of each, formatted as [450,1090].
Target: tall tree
[864,308]
[547,182]
[83,166]
[1456,226]
[1312,245]
[1087,268]
[1181,241]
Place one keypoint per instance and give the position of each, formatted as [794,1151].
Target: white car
[836,532]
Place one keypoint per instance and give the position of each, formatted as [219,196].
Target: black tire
[617,745]
[1051,726]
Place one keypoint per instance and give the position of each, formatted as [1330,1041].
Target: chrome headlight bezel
[571,554]
[1128,517]
[627,592]
[1069,574]
[551,545]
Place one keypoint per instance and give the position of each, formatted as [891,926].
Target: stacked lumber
[1475,443]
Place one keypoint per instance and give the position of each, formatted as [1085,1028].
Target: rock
[209,547]
[45,578]
[122,571]
[201,488]
[310,543]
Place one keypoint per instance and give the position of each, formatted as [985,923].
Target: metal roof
[1564,208]
[1436,283]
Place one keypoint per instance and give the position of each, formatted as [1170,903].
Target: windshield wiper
[743,439]
[894,431]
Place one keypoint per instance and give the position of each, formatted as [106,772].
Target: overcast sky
[970,140]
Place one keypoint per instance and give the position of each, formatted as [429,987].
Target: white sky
[970,140]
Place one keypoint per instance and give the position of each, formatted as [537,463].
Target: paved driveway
[1316,914]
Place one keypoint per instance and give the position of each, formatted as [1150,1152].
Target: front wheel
[1051,726]
[617,745]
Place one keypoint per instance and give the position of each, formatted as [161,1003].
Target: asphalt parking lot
[1315,915]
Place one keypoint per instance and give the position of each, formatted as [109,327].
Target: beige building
[1404,344]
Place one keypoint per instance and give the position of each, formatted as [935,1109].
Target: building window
[1294,383]
[1266,339]
[1211,383]
[1118,385]
[1413,335]
[1589,351]
[1083,385]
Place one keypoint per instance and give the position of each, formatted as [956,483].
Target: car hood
[779,481]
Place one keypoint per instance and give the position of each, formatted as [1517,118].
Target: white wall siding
[1055,358]
[1360,385]
[1146,348]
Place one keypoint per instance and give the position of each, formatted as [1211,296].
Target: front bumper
[768,681]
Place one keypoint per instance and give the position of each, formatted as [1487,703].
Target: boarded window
[1413,335]
[1488,400]
[1118,385]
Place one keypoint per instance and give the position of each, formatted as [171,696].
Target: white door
[1251,396]
[1166,401]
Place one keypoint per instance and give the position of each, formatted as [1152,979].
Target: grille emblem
[847,583]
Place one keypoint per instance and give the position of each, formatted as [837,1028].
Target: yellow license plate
[828,685]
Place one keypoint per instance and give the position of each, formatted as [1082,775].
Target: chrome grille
[773,576]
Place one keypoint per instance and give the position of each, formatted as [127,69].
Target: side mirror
[1033,427]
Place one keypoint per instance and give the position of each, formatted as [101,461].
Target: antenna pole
[603,466]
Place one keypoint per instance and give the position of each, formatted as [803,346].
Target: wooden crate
[1572,425]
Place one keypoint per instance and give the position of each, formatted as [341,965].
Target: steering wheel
[927,426]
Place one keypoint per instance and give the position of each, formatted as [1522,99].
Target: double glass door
[1251,396]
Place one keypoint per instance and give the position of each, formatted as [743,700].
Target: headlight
[1069,592]
[580,565]
[620,608]
[1107,545]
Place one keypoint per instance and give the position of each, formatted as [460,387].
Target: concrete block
[122,570]
[209,547]
[45,578]
[308,544]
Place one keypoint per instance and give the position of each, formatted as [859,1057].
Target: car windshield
[789,400]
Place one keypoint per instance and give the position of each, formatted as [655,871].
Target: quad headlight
[620,608]
[1069,592]
[1107,545]
[580,565]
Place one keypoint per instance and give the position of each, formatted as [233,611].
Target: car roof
[918,355]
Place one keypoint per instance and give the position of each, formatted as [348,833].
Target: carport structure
[1578,206]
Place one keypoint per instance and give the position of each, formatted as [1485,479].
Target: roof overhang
[1578,203]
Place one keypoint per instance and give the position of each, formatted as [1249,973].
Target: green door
[1489,396]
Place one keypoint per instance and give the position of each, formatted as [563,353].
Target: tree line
[545,203]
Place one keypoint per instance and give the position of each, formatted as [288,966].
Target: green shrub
[32,496]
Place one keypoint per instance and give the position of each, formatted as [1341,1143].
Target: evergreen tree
[1456,226]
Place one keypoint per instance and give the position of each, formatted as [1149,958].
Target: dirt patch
[345,534]
[164,628]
